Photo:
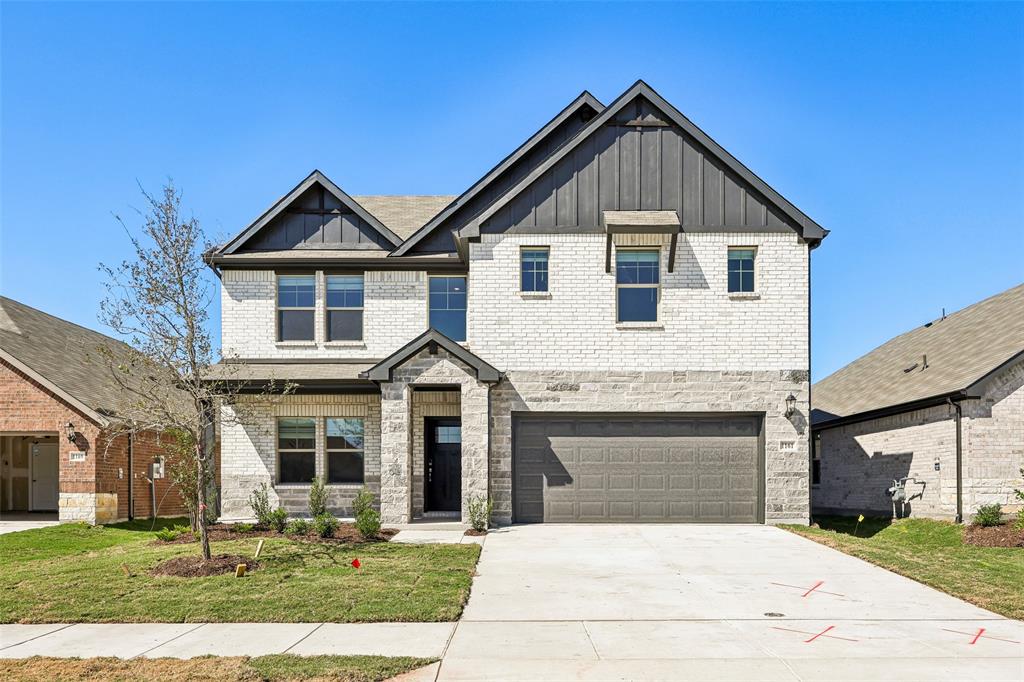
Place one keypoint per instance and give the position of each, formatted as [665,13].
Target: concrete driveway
[12,522]
[711,602]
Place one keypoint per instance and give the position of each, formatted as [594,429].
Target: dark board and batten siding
[316,220]
[637,161]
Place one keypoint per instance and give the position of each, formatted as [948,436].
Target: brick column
[395,459]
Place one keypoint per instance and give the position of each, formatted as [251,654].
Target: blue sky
[898,127]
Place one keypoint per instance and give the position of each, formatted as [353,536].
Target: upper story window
[344,307]
[344,450]
[741,269]
[448,306]
[296,307]
[637,277]
[533,268]
[296,450]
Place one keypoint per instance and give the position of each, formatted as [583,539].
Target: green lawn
[278,668]
[933,553]
[73,573]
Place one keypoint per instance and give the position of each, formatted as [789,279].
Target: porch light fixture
[790,405]
[69,431]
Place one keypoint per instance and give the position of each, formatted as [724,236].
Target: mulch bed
[1005,535]
[345,534]
[195,567]
[474,532]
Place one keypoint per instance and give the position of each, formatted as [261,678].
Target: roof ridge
[65,321]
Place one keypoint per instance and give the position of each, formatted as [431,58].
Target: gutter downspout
[131,477]
[959,459]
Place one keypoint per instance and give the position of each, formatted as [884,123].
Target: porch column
[395,459]
[475,442]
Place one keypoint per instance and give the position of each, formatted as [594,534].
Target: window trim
[657,287]
[754,272]
[465,277]
[524,248]
[278,307]
[279,450]
[328,451]
[328,308]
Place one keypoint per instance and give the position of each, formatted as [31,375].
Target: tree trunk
[204,540]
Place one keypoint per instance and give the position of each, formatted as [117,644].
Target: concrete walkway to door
[554,602]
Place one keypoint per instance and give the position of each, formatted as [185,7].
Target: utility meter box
[156,468]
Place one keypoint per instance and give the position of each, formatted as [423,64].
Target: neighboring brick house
[54,385]
[942,404]
[610,325]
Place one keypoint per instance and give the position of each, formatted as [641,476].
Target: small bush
[297,527]
[279,519]
[480,512]
[168,534]
[989,515]
[259,501]
[367,518]
[325,525]
[1019,494]
[243,528]
[182,528]
[317,498]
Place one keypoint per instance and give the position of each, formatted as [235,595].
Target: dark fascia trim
[808,228]
[584,99]
[309,387]
[440,263]
[890,410]
[298,361]
[383,371]
[974,388]
[316,177]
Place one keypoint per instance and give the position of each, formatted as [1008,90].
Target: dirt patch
[475,533]
[1005,535]
[195,567]
[219,532]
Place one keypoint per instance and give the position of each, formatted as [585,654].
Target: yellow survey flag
[860,518]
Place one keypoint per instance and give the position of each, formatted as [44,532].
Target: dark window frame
[816,460]
[298,451]
[465,311]
[740,270]
[328,451]
[656,286]
[328,308]
[278,308]
[534,272]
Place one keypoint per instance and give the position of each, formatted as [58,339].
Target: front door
[444,465]
[45,476]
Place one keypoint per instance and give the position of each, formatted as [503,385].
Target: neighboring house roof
[404,214]
[61,356]
[382,371]
[941,358]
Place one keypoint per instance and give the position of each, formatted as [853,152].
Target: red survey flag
[355,563]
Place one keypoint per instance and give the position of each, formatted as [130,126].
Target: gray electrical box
[156,469]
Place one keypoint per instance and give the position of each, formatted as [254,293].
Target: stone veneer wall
[786,439]
[249,451]
[427,404]
[859,461]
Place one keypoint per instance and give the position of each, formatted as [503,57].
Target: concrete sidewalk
[186,640]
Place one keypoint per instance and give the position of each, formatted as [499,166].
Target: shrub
[182,528]
[989,515]
[367,518]
[325,525]
[297,527]
[317,498]
[243,528]
[168,534]
[259,501]
[480,512]
[279,519]
[1019,494]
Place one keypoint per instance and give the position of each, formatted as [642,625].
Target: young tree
[159,300]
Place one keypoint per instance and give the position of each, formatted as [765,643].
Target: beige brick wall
[994,438]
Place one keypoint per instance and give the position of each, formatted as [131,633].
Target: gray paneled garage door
[588,469]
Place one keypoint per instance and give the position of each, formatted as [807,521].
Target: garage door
[591,469]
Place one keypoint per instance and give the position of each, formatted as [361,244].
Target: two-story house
[610,325]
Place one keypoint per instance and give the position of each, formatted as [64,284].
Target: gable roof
[944,357]
[584,100]
[314,178]
[809,229]
[404,214]
[61,356]
[382,371]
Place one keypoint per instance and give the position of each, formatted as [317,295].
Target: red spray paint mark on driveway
[816,635]
[980,634]
[813,588]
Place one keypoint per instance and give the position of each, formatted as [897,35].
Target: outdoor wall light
[69,431]
[790,405]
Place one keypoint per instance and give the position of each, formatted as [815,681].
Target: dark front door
[444,465]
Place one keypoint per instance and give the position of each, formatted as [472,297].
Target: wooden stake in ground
[259,548]
[240,571]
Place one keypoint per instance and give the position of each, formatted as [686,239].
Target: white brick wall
[702,327]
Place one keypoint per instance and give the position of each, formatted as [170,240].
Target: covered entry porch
[29,473]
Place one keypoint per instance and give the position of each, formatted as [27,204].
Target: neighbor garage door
[642,468]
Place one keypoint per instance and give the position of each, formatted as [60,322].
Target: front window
[741,270]
[344,307]
[816,460]
[296,450]
[533,266]
[637,276]
[448,306]
[296,305]
[344,450]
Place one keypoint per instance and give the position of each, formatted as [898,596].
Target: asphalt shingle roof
[404,214]
[960,349]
